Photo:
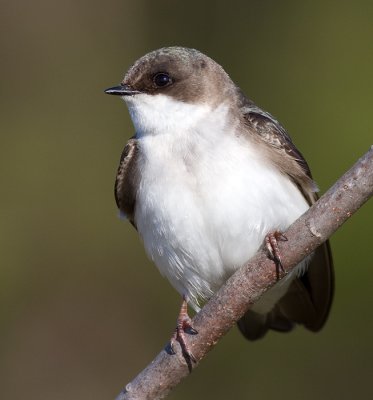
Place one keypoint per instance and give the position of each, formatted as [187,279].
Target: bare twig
[246,286]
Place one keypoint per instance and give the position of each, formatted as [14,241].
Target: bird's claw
[183,327]
[271,241]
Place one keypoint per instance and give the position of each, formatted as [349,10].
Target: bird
[207,179]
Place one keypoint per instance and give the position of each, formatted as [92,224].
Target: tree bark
[245,287]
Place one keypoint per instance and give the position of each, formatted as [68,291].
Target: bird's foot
[271,241]
[183,327]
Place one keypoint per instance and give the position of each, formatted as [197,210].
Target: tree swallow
[208,178]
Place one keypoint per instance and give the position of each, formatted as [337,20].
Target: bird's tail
[307,301]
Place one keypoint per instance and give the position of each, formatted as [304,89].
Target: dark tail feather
[254,326]
[307,301]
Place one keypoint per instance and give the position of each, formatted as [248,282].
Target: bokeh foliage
[82,310]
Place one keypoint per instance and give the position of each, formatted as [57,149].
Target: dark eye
[162,79]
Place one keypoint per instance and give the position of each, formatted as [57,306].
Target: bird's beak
[122,90]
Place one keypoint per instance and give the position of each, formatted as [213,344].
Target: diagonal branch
[245,287]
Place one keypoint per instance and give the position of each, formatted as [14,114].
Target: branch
[245,287]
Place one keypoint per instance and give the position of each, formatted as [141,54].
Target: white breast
[206,198]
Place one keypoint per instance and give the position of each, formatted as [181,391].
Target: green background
[82,310]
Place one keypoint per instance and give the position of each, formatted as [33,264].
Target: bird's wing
[266,130]
[309,298]
[127,180]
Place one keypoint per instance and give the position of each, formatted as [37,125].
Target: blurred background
[82,310]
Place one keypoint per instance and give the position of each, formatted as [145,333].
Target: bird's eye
[162,79]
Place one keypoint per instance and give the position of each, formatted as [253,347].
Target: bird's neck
[159,115]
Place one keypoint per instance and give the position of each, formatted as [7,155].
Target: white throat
[159,114]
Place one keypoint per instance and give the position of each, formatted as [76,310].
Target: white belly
[205,205]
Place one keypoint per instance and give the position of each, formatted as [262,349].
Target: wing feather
[127,180]
[309,298]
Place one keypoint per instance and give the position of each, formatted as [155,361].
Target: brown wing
[268,132]
[127,180]
[309,298]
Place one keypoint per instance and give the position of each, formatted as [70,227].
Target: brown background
[82,310]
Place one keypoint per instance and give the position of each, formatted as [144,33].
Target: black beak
[122,90]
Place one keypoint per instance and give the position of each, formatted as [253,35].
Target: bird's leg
[184,326]
[271,241]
